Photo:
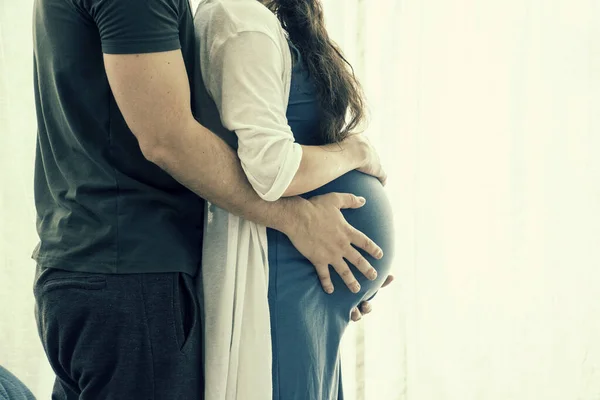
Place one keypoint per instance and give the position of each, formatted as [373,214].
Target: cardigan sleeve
[246,80]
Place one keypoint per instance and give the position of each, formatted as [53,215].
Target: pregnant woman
[288,102]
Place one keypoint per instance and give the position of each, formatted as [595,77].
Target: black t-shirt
[101,206]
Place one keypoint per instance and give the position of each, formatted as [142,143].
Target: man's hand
[371,164]
[365,306]
[325,238]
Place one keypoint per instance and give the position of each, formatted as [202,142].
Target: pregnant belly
[294,278]
[374,219]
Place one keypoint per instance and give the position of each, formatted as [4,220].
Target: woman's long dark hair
[340,94]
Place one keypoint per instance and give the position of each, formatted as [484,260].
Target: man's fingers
[355,315]
[361,263]
[365,307]
[361,240]
[325,278]
[388,280]
[347,200]
[347,276]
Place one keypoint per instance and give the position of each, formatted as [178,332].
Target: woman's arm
[246,80]
[322,164]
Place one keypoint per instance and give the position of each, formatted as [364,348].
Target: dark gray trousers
[135,336]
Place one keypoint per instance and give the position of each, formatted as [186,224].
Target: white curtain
[488,117]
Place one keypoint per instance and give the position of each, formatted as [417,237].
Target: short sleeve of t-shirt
[136,26]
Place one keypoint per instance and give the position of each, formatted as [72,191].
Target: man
[122,168]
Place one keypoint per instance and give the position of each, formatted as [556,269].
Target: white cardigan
[246,67]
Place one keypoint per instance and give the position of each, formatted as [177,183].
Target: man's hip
[130,336]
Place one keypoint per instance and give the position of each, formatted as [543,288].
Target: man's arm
[153,94]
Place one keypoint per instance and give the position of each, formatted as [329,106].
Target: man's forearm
[205,164]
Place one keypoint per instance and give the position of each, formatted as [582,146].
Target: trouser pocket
[185,310]
[89,282]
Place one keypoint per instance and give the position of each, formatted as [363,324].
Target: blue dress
[306,323]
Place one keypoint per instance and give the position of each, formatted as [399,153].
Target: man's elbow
[159,142]
[155,144]
[152,147]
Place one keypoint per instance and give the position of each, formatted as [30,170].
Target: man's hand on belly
[365,306]
[321,233]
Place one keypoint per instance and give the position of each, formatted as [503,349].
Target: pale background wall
[488,116]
